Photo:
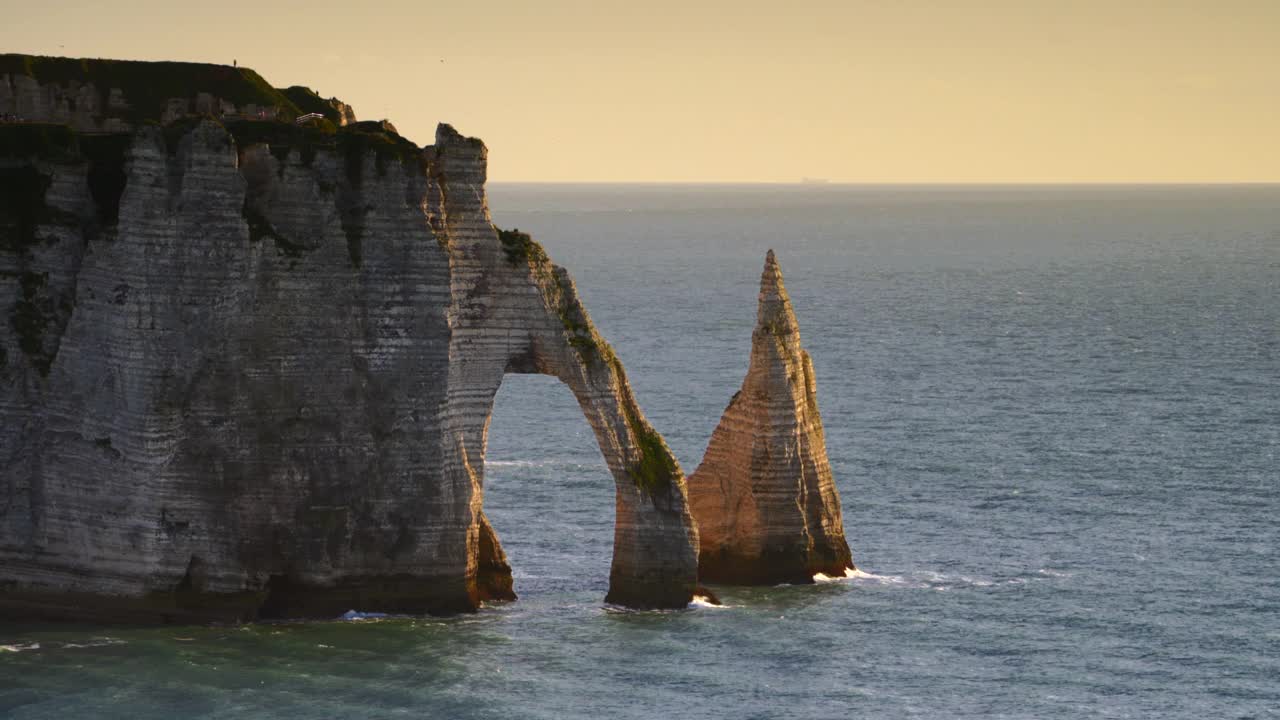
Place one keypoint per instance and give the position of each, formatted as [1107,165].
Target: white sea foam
[701,601]
[1055,573]
[824,578]
[96,642]
[20,648]
[624,610]
[357,615]
[926,579]
[857,574]
[881,579]
[556,463]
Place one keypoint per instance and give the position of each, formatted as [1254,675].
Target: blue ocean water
[1053,415]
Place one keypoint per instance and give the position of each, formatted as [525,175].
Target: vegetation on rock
[42,141]
[106,155]
[308,101]
[582,337]
[29,318]
[175,131]
[656,469]
[519,247]
[284,137]
[353,228]
[260,227]
[22,206]
[355,141]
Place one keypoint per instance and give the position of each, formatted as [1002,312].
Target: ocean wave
[944,581]
[700,601]
[547,463]
[611,609]
[936,578]
[509,469]
[920,580]
[517,463]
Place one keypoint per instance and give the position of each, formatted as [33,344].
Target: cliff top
[162,93]
[148,86]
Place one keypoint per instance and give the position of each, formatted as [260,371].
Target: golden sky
[745,91]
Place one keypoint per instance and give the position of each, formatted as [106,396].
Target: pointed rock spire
[774,300]
[763,497]
[774,313]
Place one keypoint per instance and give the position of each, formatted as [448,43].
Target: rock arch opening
[547,489]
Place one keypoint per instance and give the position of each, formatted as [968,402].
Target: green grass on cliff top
[308,101]
[147,86]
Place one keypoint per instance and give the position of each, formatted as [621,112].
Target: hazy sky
[704,90]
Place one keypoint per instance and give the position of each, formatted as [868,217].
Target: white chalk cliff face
[255,381]
[764,497]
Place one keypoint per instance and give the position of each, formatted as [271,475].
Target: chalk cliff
[247,368]
[763,497]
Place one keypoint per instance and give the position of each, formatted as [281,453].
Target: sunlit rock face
[244,381]
[763,497]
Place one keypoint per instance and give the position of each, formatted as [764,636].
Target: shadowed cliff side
[763,497]
[247,369]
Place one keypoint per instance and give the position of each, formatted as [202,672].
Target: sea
[1053,416]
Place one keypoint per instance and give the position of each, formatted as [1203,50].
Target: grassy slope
[309,102]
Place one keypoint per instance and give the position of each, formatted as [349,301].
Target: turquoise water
[1053,416]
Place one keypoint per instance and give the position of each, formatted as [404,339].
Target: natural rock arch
[521,314]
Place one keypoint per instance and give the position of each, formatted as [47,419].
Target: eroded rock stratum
[246,370]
